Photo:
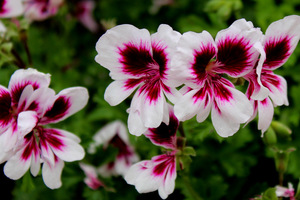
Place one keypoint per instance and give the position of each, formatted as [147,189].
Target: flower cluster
[27,105]
[193,71]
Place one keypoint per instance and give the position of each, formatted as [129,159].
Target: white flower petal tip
[11,8]
[159,173]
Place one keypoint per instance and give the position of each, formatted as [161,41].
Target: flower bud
[270,137]
[281,129]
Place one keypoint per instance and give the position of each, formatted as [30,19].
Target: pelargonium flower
[159,173]
[115,134]
[11,8]
[28,104]
[84,13]
[91,179]
[25,92]
[200,63]
[138,60]
[38,10]
[280,40]
[286,192]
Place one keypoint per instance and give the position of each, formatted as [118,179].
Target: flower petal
[62,146]
[68,102]
[125,50]
[281,39]
[117,91]
[5,115]
[237,54]
[23,77]
[194,52]
[164,135]
[231,108]
[51,174]
[27,120]
[265,114]
[11,8]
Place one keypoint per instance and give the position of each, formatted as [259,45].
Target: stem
[18,60]
[181,130]
[193,193]
[281,179]
[25,44]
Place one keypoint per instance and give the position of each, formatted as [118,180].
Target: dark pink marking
[136,59]
[277,51]
[165,135]
[205,93]
[166,165]
[50,137]
[31,147]
[160,57]
[59,109]
[220,91]
[131,83]
[17,90]
[33,106]
[201,60]
[264,102]
[152,88]
[2,6]
[234,55]
[269,78]
[5,108]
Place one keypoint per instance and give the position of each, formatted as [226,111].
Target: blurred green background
[239,167]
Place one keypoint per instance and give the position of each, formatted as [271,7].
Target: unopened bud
[281,129]
[270,137]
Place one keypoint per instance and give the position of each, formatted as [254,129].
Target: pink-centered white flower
[286,192]
[10,8]
[159,173]
[140,61]
[84,13]
[38,10]
[115,134]
[28,104]
[200,64]
[91,178]
[280,40]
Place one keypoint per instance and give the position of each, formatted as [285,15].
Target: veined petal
[231,108]
[195,102]
[91,176]
[237,54]
[159,173]
[23,77]
[280,41]
[277,86]
[194,52]
[126,51]
[63,147]
[117,91]
[164,43]
[265,114]
[11,8]
[52,173]
[27,120]
[135,124]
[5,106]
[19,163]
[165,135]
[68,102]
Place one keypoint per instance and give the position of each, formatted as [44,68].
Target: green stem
[191,190]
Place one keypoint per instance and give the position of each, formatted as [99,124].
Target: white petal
[68,102]
[16,167]
[279,94]
[113,40]
[70,150]
[28,76]
[12,8]
[27,120]
[52,174]
[135,123]
[116,92]
[265,114]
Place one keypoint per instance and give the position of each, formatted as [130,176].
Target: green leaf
[270,194]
